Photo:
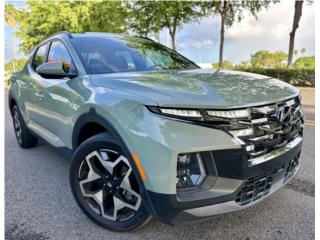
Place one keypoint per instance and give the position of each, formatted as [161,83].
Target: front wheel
[104,185]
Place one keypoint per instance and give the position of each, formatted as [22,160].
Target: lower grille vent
[254,189]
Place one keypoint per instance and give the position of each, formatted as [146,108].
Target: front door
[51,98]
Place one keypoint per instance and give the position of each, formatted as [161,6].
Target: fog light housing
[190,170]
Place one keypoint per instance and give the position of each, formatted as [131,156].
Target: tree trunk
[296,19]
[222,13]
[173,39]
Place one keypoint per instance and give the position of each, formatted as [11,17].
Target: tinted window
[58,53]
[101,54]
[39,57]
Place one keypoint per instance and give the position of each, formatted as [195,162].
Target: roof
[93,34]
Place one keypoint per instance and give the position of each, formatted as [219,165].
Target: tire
[104,186]
[24,137]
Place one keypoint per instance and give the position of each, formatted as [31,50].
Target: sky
[200,41]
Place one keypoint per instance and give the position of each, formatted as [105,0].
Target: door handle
[39,95]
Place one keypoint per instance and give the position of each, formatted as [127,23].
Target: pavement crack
[303,186]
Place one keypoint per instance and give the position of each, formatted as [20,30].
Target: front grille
[270,127]
[261,130]
[254,189]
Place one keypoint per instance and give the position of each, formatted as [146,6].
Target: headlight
[211,118]
[201,113]
[190,170]
[181,113]
[187,114]
[244,113]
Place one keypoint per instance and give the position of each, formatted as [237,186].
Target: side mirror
[53,70]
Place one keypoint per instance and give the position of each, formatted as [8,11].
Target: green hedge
[297,77]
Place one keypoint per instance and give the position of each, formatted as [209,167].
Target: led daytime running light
[230,113]
[180,112]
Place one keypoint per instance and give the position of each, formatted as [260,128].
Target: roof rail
[65,32]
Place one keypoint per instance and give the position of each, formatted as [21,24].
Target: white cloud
[181,45]
[244,29]
[206,43]
[274,23]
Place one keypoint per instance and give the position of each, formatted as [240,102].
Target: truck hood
[199,88]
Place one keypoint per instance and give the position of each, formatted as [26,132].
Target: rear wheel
[23,135]
[104,186]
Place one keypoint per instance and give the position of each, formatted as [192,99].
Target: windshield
[124,54]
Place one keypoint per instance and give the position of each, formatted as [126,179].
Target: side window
[58,53]
[39,57]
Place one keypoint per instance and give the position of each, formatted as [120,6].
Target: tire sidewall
[100,141]
[16,110]
[27,139]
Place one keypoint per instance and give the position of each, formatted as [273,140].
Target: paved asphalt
[39,203]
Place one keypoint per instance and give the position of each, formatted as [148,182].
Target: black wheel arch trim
[10,98]
[93,117]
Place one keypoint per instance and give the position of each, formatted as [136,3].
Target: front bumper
[232,206]
[229,194]
[157,141]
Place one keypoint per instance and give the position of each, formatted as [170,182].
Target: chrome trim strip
[290,102]
[259,120]
[265,109]
[232,206]
[257,153]
[263,137]
[242,132]
[270,128]
[275,153]
[250,148]
[255,121]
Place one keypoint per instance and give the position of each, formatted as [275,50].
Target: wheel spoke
[103,158]
[16,121]
[92,176]
[16,116]
[118,205]
[98,198]
[108,165]
[126,185]
[17,126]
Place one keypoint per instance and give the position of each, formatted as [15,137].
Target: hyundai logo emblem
[283,114]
